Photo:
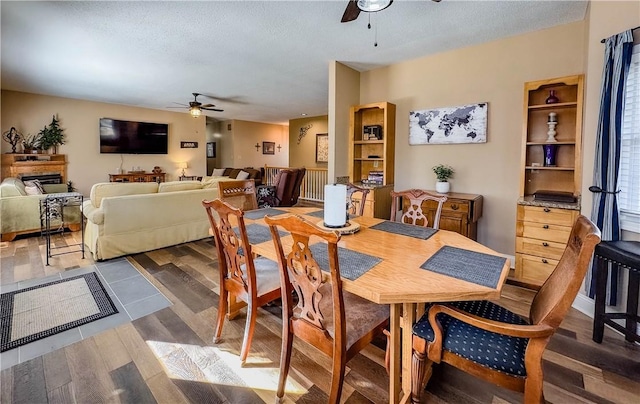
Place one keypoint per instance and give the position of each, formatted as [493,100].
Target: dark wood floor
[169,356]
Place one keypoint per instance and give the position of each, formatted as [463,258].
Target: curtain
[617,59]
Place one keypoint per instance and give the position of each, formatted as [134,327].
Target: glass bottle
[552,99]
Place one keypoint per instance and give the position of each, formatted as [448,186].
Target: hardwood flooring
[169,357]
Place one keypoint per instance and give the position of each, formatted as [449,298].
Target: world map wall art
[464,124]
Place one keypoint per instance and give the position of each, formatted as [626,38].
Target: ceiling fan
[195,107]
[368,6]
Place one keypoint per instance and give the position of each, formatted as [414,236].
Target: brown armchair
[285,191]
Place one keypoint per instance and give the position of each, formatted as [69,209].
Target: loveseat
[20,212]
[235,174]
[129,218]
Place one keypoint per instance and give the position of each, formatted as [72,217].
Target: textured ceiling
[268,59]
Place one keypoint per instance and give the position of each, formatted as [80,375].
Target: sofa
[233,173]
[20,212]
[130,218]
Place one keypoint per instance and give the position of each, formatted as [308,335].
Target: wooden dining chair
[240,193]
[254,281]
[338,323]
[352,189]
[414,214]
[494,344]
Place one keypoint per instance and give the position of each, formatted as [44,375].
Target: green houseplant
[443,173]
[52,136]
[30,143]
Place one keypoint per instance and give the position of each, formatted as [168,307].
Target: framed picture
[211,149]
[322,148]
[461,124]
[268,147]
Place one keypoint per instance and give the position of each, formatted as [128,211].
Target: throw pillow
[33,187]
[242,175]
[234,173]
[218,172]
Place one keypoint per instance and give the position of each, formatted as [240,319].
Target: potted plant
[30,143]
[443,173]
[52,136]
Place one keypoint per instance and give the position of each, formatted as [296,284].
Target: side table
[52,219]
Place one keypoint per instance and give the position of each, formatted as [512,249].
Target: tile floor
[133,295]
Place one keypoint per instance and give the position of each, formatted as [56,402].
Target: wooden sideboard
[460,213]
[137,177]
[18,164]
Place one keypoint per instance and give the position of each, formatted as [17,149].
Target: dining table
[404,266]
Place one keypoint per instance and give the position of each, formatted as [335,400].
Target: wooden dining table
[397,280]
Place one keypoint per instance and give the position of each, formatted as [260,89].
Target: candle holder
[552,121]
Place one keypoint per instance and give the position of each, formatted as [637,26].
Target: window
[629,175]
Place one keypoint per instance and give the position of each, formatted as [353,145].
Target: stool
[624,254]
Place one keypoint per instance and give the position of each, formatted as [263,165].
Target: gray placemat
[320,214]
[479,268]
[260,213]
[258,233]
[405,229]
[352,263]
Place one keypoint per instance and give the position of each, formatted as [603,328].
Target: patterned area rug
[37,312]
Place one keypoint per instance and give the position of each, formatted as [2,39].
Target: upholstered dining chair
[337,323]
[494,344]
[353,189]
[255,281]
[240,193]
[414,214]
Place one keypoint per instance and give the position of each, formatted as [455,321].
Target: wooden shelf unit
[17,164]
[373,155]
[542,228]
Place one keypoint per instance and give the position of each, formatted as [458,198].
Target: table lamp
[183,165]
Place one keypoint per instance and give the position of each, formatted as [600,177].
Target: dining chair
[240,193]
[414,214]
[255,281]
[352,189]
[494,344]
[338,323]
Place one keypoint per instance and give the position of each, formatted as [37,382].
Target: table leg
[408,319]
[395,367]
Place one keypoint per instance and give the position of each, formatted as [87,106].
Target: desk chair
[414,214]
[506,348]
[352,189]
[240,193]
[338,323]
[255,281]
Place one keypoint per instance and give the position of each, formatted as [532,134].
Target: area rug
[40,311]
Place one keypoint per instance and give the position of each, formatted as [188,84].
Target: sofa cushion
[217,172]
[227,171]
[33,187]
[242,175]
[173,186]
[234,173]
[106,189]
[12,187]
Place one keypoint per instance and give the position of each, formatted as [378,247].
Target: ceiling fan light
[195,112]
[372,6]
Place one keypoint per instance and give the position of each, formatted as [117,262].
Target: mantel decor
[463,124]
[13,137]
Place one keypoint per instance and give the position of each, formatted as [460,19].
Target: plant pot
[442,187]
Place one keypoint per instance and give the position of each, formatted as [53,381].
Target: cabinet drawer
[539,248]
[541,231]
[538,214]
[455,205]
[534,270]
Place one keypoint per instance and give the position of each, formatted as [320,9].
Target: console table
[137,177]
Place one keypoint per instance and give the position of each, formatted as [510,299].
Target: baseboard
[584,304]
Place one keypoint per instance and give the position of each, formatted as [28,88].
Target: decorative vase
[550,151]
[442,187]
[552,99]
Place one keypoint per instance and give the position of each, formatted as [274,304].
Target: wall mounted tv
[130,137]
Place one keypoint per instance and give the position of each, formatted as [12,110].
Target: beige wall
[245,136]
[80,119]
[344,92]
[303,150]
[605,18]
[495,73]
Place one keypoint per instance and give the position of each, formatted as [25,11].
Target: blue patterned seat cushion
[495,351]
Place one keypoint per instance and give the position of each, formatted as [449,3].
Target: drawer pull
[546,226]
[454,207]
[544,261]
[547,210]
[545,244]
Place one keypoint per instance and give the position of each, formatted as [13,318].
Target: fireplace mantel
[16,165]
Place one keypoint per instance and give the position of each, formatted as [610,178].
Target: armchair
[285,191]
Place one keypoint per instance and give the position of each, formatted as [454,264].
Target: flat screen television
[128,137]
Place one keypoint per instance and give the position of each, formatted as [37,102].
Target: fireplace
[44,178]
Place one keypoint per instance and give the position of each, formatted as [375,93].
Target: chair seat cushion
[361,315]
[492,350]
[267,275]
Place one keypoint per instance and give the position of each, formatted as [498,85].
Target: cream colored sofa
[20,213]
[129,218]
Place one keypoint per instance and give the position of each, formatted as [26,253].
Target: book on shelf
[375,177]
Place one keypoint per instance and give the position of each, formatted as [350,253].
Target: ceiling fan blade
[179,103]
[351,12]
[179,107]
[230,100]
[213,109]
[207,105]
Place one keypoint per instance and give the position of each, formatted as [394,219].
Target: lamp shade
[372,6]
[183,165]
[195,111]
